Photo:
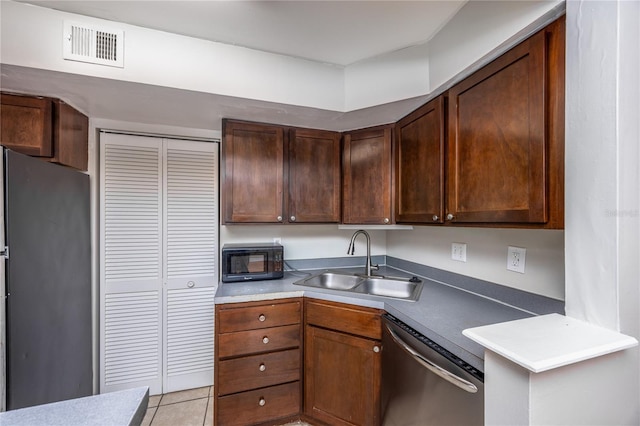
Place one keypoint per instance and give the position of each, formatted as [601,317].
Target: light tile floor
[193,407]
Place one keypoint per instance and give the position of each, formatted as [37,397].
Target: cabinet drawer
[259,406]
[258,371]
[257,341]
[257,317]
[346,318]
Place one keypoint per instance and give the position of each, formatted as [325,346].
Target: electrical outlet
[516,257]
[459,252]
[277,240]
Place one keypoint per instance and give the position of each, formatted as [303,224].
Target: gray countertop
[441,313]
[121,408]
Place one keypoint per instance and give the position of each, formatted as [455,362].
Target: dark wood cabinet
[44,127]
[505,140]
[420,167]
[253,173]
[314,176]
[367,179]
[258,362]
[342,359]
[275,174]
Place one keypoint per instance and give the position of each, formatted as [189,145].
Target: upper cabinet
[366,169]
[44,127]
[273,174]
[419,160]
[487,152]
[314,176]
[253,168]
[505,139]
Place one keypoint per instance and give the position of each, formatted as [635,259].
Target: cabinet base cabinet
[259,406]
[258,360]
[342,363]
[341,383]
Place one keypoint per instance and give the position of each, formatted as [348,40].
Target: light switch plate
[516,257]
[459,252]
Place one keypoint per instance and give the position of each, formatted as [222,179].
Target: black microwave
[250,262]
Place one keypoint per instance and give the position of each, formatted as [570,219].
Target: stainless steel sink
[394,287]
[399,288]
[332,280]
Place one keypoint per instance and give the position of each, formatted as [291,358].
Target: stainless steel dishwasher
[424,384]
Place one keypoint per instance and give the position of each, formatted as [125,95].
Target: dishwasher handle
[434,368]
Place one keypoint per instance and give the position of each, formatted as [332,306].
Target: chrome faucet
[351,249]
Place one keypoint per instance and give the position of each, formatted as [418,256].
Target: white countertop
[545,342]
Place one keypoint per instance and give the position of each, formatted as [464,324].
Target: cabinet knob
[262,367]
[279,218]
[262,318]
[450,216]
[191,284]
[265,340]
[435,217]
[386,220]
[261,402]
[376,349]
[293,218]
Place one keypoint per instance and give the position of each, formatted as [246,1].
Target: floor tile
[208,420]
[186,395]
[154,400]
[189,413]
[148,417]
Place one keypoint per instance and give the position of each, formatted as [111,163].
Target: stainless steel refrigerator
[46,341]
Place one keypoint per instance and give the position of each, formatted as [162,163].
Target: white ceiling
[335,32]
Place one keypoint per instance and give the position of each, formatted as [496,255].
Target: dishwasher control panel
[434,346]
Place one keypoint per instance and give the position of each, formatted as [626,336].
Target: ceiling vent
[93,44]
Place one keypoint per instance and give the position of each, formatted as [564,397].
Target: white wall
[306,241]
[487,254]
[602,183]
[477,30]
[397,75]
[31,36]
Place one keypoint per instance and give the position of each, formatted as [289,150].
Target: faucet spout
[351,249]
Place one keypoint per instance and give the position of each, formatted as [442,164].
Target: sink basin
[394,287]
[332,280]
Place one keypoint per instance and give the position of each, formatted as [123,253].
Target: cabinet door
[253,158]
[342,378]
[367,185]
[70,136]
[314,176]
[420,165]
[497,140]
[25,124]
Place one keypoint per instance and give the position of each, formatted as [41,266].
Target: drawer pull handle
[262,367]
[261,402]
[376,349]
[265,340]
[262,318]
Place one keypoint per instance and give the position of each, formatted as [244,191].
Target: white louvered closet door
[131,263]
[159,224]
[191,240]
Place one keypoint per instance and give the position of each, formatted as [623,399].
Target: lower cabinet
[261,363]
[258,362]
[342,356]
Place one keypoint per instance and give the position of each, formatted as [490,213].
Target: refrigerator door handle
[5,252]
